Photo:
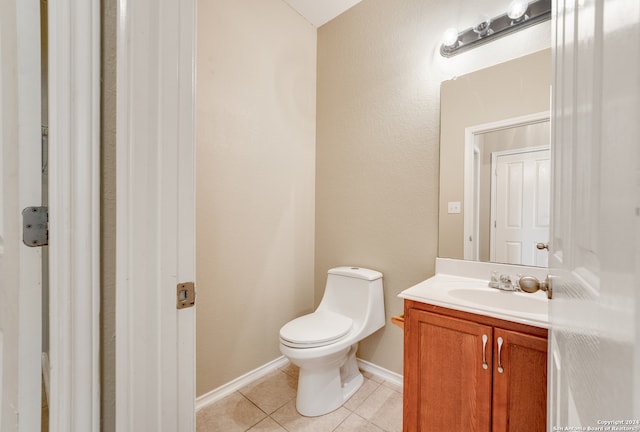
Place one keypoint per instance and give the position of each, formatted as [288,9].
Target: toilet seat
[315,329]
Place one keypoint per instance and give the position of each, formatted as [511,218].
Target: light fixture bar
[537,11]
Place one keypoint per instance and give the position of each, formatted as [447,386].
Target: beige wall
[379,75]
[507,90]
[256,78]
[377,155]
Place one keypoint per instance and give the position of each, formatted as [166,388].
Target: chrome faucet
[503,282]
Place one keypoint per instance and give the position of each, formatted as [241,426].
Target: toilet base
[325,389]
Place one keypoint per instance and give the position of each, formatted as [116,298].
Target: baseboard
[385,374]
[242,381]
[46,373]
[246,379]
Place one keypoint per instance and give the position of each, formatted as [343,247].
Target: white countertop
[474,295]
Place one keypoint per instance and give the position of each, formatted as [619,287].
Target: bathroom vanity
[475,357]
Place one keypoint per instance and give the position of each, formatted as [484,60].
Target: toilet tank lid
[356,272]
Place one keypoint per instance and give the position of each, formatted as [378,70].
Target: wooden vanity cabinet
[455,379]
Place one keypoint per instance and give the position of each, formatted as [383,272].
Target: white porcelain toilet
[323,344]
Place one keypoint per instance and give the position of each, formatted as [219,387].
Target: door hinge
[186,295]
[35,226]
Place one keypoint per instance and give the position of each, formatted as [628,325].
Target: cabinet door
[519,382]
[447,387]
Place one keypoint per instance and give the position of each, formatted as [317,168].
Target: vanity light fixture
[483,29]
[521,14]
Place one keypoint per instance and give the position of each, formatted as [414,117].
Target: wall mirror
[495,163]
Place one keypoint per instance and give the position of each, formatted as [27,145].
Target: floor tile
[372,377]
[267,425]
[235,413]
[362,394]
[271,391]
[383,408]
[393,386]
[291,370]
[291,420]
[355,423]
[268,405]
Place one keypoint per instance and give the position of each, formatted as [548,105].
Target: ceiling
[318,12]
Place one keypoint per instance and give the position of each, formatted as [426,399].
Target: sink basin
[495,299]
[474,296]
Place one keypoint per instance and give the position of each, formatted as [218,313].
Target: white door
[20,171]
[594,358]
[155,240]
[520,206]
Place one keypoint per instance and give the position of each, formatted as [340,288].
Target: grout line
[343,420]
[254,404]
[278,423]
[377,386]
[392,386]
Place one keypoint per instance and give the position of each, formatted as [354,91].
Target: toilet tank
[356,292]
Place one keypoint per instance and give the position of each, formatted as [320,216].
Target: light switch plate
[454,207]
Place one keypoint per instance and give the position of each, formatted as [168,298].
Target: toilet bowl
[323,344]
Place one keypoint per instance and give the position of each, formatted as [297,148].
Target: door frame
[155,215]
[471,224]
[74,214]
[20,120]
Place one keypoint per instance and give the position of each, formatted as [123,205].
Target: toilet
[323,344]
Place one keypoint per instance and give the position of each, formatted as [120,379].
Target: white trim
[242,381]
[232,386]
[470,248]
[74,195]
[155,215]
[380,372]
[29,303]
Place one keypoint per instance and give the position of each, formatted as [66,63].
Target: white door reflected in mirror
[520,198]
[507,191]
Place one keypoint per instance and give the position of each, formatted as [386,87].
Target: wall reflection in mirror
[495,163]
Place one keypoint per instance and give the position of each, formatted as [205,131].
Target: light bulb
[450,38]
[517,9]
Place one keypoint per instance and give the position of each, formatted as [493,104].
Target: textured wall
[379,75]
[256,78]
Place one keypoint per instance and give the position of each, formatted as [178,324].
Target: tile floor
[268,405]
